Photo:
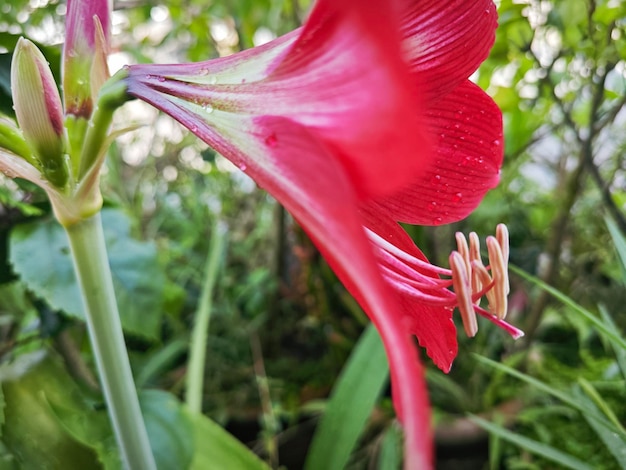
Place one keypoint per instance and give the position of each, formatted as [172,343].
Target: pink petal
[468,127]
[433,326]
[318,193]
[343,78]
[85,45]
[445,42]
[79,26]
[300,171]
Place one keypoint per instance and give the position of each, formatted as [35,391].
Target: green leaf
[531,445]
[3,404]
[564,397]
[391,449]
[620,244]
[620,352]
[615,444]
[356,392]
[170,429]
[159,360]
[590,317]
[31,430]
[600,403]
[217,448]
[90,427]
[40,255]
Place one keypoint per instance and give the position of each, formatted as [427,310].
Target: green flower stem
[112,95]
[107,340]
[199,335]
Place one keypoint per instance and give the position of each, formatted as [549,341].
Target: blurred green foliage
[558,72]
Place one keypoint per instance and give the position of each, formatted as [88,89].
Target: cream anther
[463,291]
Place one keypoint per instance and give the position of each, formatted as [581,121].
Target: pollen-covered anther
[502,235]
[463,291]
[474,255]
[500,277]
[491,281]
[463,250]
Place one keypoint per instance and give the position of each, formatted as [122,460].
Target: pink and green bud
[39,111]
[85,51]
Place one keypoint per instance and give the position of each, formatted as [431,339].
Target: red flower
[363,118]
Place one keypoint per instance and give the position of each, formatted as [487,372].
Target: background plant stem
[197,351]
[107,341]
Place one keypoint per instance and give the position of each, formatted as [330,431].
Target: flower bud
[85,52]
[38,109]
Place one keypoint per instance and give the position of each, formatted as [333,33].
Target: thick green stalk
[107,340]
[197,349]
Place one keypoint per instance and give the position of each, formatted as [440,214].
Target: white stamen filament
[470,279]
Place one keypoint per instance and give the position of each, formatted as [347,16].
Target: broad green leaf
[170,429]
[531,445]
[90,427]
[217,448]
[40,255]
[31,431]
[351,402]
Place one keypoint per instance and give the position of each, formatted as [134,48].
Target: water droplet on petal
[207,108]
[242,166]
[436,179]
[161,79]
[458,197]
[432,206]
[437,220]
[271,140]
[496,142]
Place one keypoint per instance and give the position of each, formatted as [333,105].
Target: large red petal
[433,326]
[320,196]
[446,41]
[467,126]
[298,170]
[344,77]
